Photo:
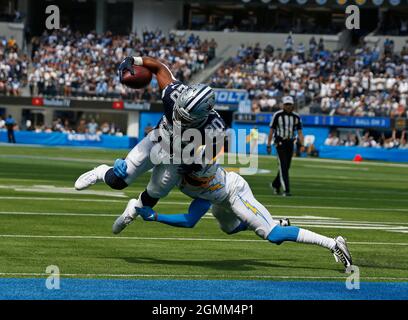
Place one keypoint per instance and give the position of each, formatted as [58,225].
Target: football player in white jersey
[236,209]
[184,107]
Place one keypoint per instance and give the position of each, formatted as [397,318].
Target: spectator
[92,127]
[332,140]
[10,124]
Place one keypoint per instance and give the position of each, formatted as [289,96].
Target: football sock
[101,171]
[306,236]
[292,233]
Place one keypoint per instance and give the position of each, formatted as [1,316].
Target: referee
[283,127]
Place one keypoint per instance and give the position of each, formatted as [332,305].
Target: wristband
[138,61]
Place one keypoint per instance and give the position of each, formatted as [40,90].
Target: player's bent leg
[250,211]
[163,179]
[338,245]
[227,220]
[136,163]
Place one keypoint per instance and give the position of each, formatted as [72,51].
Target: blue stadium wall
[319,127]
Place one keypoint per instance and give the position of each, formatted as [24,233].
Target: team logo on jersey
[254,209]
[250,206]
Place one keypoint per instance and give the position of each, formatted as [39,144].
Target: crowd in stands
[65,126]
[13,67]
[368,140]
[67,63]
[366,82]
[82,126]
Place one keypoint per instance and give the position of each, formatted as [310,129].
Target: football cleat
[341,252]
[286,194]
[126,217]
[89,178]
[284,222]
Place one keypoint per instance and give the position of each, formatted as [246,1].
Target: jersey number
[216,124]
[177,91]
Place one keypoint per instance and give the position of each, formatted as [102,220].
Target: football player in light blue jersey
[236,209]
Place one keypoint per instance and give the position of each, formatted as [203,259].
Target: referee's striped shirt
[285,125]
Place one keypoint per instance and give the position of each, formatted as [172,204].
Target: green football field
[44,221]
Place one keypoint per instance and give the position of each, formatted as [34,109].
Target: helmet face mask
[193,106]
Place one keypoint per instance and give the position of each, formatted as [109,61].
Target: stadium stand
[364,82]
[68,63]
[13,67]
[73,64]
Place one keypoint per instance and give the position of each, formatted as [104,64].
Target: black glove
[126,64]
[268,149]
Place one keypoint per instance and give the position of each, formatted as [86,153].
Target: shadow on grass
[228,264]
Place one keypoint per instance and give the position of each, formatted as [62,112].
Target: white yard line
[299,219]
[94,237]
[187,202]
[120,194]
[227,276]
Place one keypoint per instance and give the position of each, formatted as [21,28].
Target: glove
[126,65]
[189,168]
[147,213]
[268,149]
[120,168]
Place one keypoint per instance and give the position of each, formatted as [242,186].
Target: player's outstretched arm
[197,209]
[160,70]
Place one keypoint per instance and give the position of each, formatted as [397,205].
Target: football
[140,79]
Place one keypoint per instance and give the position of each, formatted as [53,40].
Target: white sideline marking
[120,194]
[187,202]
[66,159]
[207,215]
[301,221]
[63,190]
[171,239]
[141,275]
[340,198]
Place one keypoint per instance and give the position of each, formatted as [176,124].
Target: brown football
[140,79]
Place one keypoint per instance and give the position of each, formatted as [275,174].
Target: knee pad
[280,234]
[114,181]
